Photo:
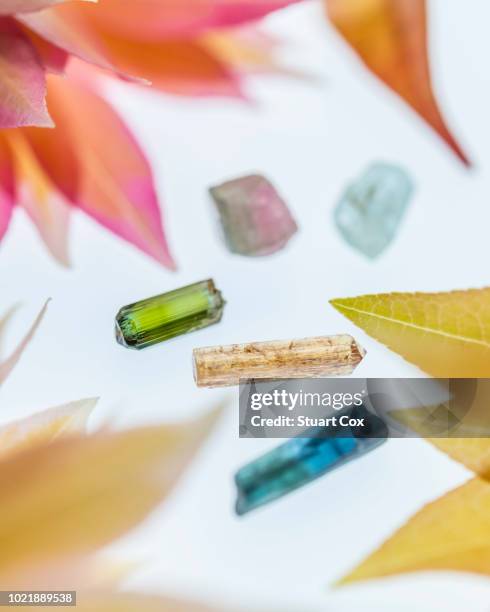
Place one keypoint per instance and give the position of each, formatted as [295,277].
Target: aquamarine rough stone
[370,212]
[301,460]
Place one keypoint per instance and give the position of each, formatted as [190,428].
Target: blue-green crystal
[372,208]
[301,460]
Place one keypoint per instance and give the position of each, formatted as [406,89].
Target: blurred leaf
[7,186]
[74,496]
[177,47]
[150,20]
[146,20]
[52,57]
[390,37]
[93,161]
[45,427]
[474,453]
[38,195]
[445,334]
[7,366]
[134,602]
[22,81]
[452,533]
[8,7]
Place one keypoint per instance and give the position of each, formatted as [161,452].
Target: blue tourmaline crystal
[302,460]
[371,209]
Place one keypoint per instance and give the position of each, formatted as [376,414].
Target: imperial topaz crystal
[301,460]
[372,208]
[255,219]
[169,315]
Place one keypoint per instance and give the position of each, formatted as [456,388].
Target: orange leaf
[69,498]
[150,20]
[390,36]
[38,195]
[187,67]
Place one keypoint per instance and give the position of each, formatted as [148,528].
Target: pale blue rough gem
[372,208]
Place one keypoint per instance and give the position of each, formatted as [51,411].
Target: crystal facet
[371,209]
[255,219]
[302,460]
[172,314]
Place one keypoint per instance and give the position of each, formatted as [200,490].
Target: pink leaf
[7,186]
[7,366]
[53,58]
[72,25]
[154,19]
[92,158]
[22,80]
[39,196]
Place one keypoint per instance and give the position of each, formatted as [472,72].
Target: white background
[310,138]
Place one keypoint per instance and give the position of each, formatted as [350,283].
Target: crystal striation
[169,315]
[255,219]
[223,366]
[304,459]
[372,208]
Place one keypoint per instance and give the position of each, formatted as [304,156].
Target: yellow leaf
[76,495]
[7,366]
[451,533]
[464,421]
[45,426]
[474,453]
[445,334]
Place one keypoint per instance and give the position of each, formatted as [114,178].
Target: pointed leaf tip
[45,427]
[7,366]
[94,162]
[449,534]
[445,334]
[391,38]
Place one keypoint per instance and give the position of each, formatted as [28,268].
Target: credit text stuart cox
[300,400]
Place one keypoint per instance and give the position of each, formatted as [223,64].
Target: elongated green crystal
[169,315]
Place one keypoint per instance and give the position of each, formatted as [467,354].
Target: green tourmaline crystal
[169,315]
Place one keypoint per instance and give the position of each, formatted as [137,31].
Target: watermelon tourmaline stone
[255,219]
[171,314]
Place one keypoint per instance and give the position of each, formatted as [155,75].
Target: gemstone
[372,208]
[255,219]
[224,366]
[301,460]
[169,315]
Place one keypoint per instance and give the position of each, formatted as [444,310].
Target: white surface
[310,139]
